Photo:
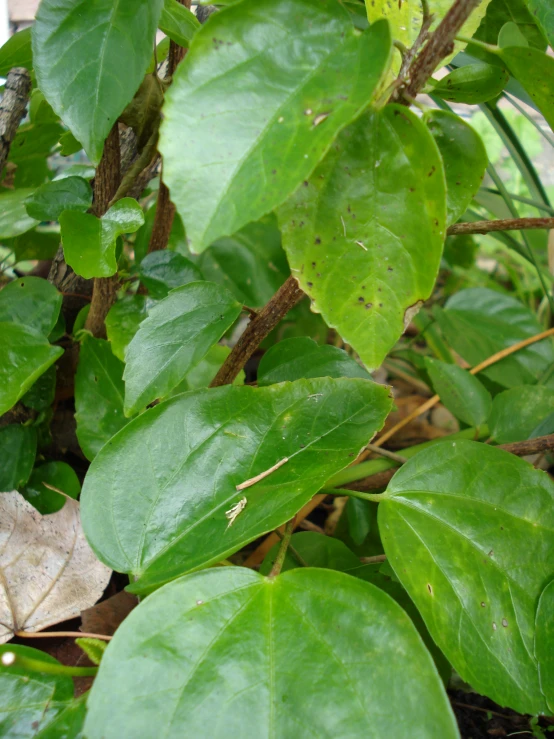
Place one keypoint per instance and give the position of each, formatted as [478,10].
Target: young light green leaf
[177,519]
[464,158]
[460,392]
[517,412]
[58,475]
[468,530]
[99,394]
[169,662]
[293,359]
[89,243]
[50,200]
[511,35]
[16,52]
[24,356]
[544,17]
[173,339]
[472,84]
[310,72]
[31,302]
[364,234]
[123,320]
[178,23]
[544,643]
[14,219]
[479,322]
[93,52]
[18,449]
[162,271]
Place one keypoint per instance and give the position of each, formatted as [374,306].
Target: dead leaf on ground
[106,617]
[48,572]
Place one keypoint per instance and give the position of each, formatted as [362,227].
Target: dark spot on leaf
[430,588]
[310,284]
[432,172]
[306,183]
[361,299]
[317,240]
[368,306]
[389,269]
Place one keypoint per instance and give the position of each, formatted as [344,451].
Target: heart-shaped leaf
[177,334]
[310,72]
[544,643]
[228,652]
[49,201]
[468,530]
[18,449]
[31,302]
[364,234]
[93,53]
[89,242]
[155,499]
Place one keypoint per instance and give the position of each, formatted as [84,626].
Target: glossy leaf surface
[24,356]
[472,84]
[293,359]
[177,334]
[49,201]
[310,72]
[544,643]
[178,22]
[31,302]
[99,392]
[123,320]
[18,449]
[518,411]
[89,243]
[93,53]
[154,500]
[460,392]
[58,475]
[162,271]
[464,158]
[239,667]
[364,234]
[468,530]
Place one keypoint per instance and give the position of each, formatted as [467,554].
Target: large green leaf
[500,12]
[535,71]
[177,334]
[14,219]
[16,52]
[544,643]
[18,449]
[24,356]
[364,234]
[178,23]
[472,84]
[469,531]
[464,158]
[123,320]
[460,392]
[90,59]
[51,199]
[31,302]
[292,74]
[99,392]
[479,322]
[89,243]
[154,500]
[293,359]
[30,701]
[543,12]
[58,475]
[162,271]
[228,652]
[518,411]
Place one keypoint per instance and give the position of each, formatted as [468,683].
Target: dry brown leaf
[106,617]
[48,572]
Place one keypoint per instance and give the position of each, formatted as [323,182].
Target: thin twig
[262,475]
[280,558]
[373,560]
[56,634]
[507,224]
[385,453]
[298,557]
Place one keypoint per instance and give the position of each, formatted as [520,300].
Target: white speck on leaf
[232,514]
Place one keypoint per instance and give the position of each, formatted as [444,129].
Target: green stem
[374,497]
[373,466]
[48,668]
[280,558]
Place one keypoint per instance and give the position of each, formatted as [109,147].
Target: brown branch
[439,46]
[12,108]
[507,224]
[106,183]
[288,295]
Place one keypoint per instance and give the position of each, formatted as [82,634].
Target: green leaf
[30,701]
[225,652]
[34,244]
[50,200]
[31,302]
[293,359]
[123,320]
[24,356]
[93,53]
[544,643]
[173,339]
[93,648]
[16,52]
[464,158]
[178,23]
[162,271]
[60,476]
[479,322]
[68,724]
[99,392]
[69,144]
[89,243]
[364,235]
[460,392]
[251,263]
[544,17]
[42,393]
[18,449]
[500,12]
[40,110]
[316,550]
[205,371]
[359,515]
[34,140]
[535,71]
[13,216]
[468,530]
[310,72]
[472,84]
[168,515]
[510,35]
[516,412]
